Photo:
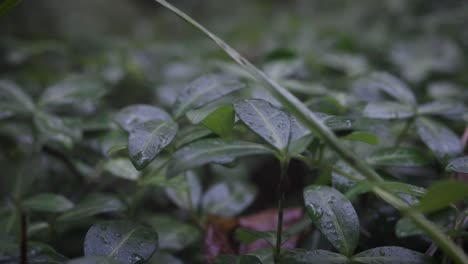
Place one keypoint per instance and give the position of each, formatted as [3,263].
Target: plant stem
[310,121]
[24,238]
[284,163]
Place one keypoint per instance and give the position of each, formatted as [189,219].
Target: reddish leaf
[267,221]
[218,239]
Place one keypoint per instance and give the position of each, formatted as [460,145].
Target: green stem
[309,120]
[284,163]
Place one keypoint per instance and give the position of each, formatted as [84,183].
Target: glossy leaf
[397,156]
[221,121]
[204,90]
[299,137]
[266,120]
[147,139]
[334,216]
[228,199]
[363,136]
[133,115]
[302,256]
[212,151]
[173,234]
[388,110]
[122,241]
[47,202]
[93,205]
[440,139]
[343,182]
[121,167]
[441,194]
[227,259]
[459,165]
[190,134]
[390,255]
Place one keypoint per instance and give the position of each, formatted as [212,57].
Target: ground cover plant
[338,139]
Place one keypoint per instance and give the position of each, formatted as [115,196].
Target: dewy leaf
[93,205]
[363,136]
[11,93]
[388,110]
[221,121]
[204,90]
[212,150]
[334,216]
[341,182]
[390,85]
[47,202]
[228,199]
[302,256]
[441,194]
[397,156]
[232,259]
[266,120]
[121,167]
[173,234]
[122,241]
[134,115]
[440,139]
[459,165]
[147,139]
[390,255]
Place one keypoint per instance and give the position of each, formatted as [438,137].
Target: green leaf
[230,259]
[93,205]
[363,136]
[299,137]
[219,151]
[390,255]
[93,260]
[266,120]
[133,115]
[37,253]
[12,94]
[122,168]
[405,227]
[342,182]
[302,256]
[163,258]
[77,91]
[191,134]
[228,199]
[221,121]
[187,195]
[248,236]
[8,5]
[397,156]
[394,187]
[47,202]
[459,165]
[147,139]
[440,139]
[390,85]
[334,216]
[122,241]
[388,110]
[441,194]
[56,129]
[204,90]
[445,109]
[174,235]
